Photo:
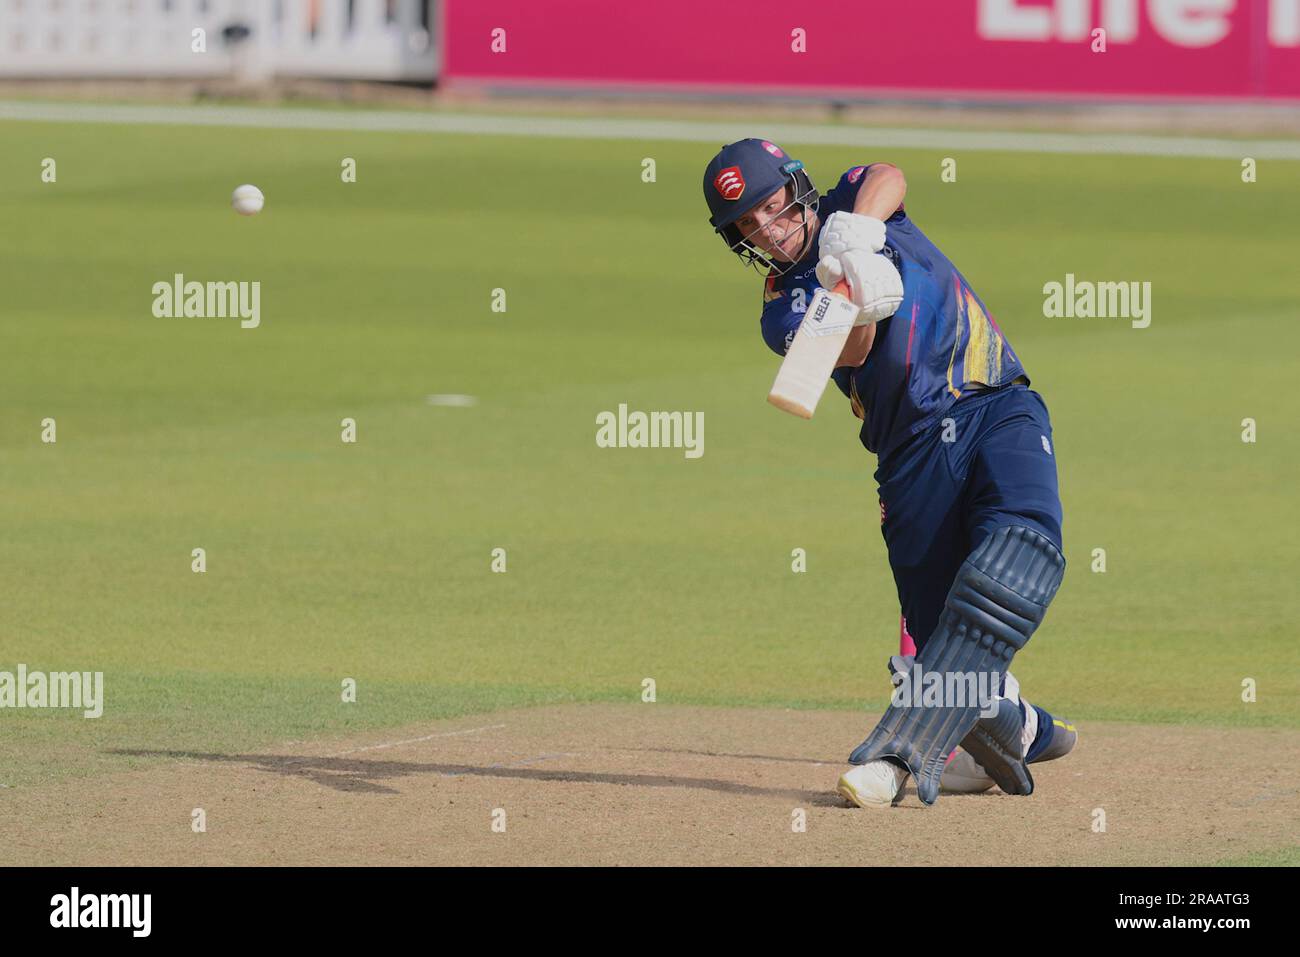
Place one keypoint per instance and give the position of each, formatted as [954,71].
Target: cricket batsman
[966,475]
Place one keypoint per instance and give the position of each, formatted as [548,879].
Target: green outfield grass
[1282,857]
[371,561]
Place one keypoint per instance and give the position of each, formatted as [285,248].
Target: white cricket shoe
[874,784]
[963,776]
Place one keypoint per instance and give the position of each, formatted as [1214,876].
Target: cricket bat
[817,345]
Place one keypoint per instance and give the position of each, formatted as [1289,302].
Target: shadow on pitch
[815,762]
[368,776]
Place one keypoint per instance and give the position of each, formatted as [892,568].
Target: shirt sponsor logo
[729,183]
[855,174]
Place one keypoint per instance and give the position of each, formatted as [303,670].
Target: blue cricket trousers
[940,499]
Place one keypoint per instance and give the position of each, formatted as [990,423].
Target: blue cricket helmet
[742,175]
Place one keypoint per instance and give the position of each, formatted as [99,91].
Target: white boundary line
[642,130]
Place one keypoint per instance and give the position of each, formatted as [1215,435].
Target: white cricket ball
[247,200]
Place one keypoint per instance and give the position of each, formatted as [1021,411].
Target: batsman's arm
[882,191]
[881,195]
[857,347]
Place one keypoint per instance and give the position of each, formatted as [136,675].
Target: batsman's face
[775,226]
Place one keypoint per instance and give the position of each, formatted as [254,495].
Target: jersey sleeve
[842,377]
[846,191]
[780,320]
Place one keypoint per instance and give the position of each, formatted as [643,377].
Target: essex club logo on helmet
[730,183]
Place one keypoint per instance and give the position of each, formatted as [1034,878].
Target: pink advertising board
[1022,48]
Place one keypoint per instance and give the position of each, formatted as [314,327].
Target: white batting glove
[845,231]
[829,272]
[875,285]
